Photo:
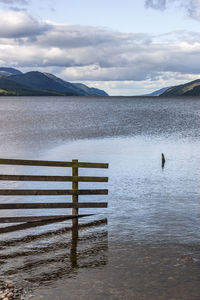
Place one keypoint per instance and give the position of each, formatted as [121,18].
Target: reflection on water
[34,124]
[40,258]
[146,202]
[153,213]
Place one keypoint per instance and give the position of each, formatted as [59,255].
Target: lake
[148,248]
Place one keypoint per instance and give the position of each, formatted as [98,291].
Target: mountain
[14,82]
[80,88]
[9,71]
[41,81]
[9,87]
[158,92]
[48,82]
[188,89]
[90,91]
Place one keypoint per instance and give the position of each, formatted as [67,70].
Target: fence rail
[75,205]
[53,178]
[44,163]
[53,205]
[51,192]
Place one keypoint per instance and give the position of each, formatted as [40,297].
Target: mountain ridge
[191,88]
[14,82]
[157,92]
[9,71]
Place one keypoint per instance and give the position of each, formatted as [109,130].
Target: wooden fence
[74,192]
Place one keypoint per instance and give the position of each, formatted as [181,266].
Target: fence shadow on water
[42,258]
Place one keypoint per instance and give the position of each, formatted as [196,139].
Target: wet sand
[140,272]
[57,264]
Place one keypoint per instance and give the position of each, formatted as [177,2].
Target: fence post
[75,197]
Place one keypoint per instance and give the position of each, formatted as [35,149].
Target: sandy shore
[133,271]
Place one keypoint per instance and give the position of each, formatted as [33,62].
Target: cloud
[192,7]
[20,2]
[95,53]
[18,24]
[156,4]
[116,88]
[14,2]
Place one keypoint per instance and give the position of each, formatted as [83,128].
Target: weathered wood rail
[74,192]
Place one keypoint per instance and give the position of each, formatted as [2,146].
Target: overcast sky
[124,47]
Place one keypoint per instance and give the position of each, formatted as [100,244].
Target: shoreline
[131,270]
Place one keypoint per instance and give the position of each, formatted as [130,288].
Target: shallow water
[151,209]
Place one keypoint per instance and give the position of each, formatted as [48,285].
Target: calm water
[151,210]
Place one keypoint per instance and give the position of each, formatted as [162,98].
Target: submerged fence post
[75,197]
[73,252]
[163,160]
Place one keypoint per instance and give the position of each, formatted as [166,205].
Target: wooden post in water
[73,252]
[163,160]
[75,198]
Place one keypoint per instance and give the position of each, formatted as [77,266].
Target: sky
[123,47]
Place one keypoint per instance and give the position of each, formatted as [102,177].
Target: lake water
[153,218]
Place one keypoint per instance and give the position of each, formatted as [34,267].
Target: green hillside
[189,89]
[9,71]
[14,82]
[8,87]
[49,82]
[41,81]
[90,91]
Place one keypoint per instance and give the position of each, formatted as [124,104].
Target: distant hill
[188,89]
[47,82]
[158,92]
[9,87]
[14,82]
[9,71]
[90,91]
